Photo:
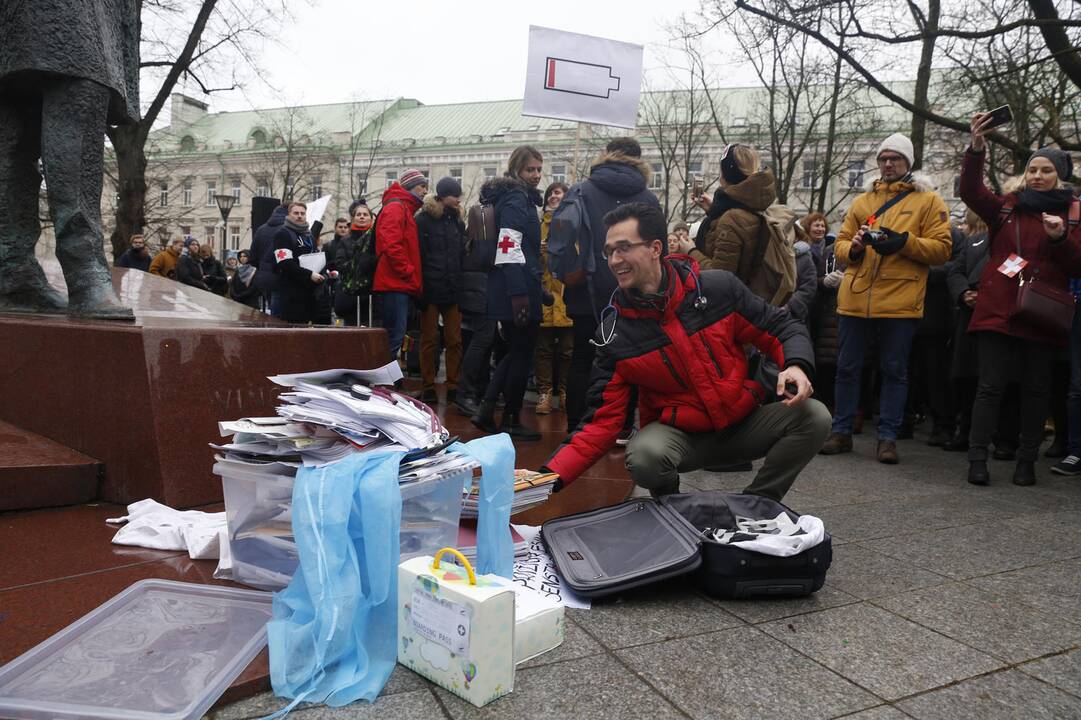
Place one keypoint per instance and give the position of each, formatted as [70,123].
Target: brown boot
[887,452]
[544,404]
[836,444]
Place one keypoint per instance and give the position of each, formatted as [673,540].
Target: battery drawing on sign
[580,78]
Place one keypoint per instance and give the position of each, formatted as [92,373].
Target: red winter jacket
[1053,263]
[688,362]
[396,246]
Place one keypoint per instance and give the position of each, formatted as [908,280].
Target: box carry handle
[461,558]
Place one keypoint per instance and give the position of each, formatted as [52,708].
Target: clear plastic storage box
[258,510]
[159,650]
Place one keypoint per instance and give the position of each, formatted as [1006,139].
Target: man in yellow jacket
[891,236]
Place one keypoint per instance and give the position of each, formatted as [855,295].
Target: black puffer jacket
[344,249]
[614,179]
[262,251]
[964,274]
[441,235]
[516,206]
[938,306]
[189,271]
[824,326]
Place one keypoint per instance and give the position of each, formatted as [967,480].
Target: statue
[66,69]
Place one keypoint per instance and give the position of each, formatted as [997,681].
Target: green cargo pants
[787,437]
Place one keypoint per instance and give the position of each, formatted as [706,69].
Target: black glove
[558,484]
[892,243]
[520,310]
[547,298]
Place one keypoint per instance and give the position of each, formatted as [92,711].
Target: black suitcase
[642,541]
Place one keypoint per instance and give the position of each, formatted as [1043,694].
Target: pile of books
[531,489]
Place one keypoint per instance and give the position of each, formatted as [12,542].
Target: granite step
[36,472]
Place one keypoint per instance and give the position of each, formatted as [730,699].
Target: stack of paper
[360,406]
[531,488]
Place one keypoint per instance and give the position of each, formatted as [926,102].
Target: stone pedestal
[145,398]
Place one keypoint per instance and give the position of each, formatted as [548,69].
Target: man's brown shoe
[836,444]
[887,452]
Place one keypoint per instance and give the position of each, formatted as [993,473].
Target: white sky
[436,52]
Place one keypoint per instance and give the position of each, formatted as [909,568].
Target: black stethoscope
[700,303]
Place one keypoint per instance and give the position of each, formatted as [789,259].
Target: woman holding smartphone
[1034,238]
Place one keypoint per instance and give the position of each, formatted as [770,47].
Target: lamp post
[225,205]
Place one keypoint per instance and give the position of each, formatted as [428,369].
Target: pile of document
[531,488]
[327,415]
[361,407]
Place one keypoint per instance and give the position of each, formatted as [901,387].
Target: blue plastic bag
[495,549]
[333,634]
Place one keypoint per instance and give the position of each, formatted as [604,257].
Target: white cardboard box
[538,621]
[457,634]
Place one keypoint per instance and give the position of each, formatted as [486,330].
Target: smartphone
[697,188]
[1000,116]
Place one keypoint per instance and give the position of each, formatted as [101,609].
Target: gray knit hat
[1059,158]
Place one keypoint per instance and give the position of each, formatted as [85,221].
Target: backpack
[568,233]
[771,269]
[481,234]
[359,270]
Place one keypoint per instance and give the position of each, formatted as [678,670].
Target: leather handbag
[1041,305]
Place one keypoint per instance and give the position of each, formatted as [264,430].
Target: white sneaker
[1069,465]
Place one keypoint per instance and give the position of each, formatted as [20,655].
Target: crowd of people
[626,327]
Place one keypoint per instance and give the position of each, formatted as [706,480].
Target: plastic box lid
[159,649]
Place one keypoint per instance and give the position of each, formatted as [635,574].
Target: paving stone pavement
[944,601]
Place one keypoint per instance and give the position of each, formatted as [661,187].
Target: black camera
[874,237]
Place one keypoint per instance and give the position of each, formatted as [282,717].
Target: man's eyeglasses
[890,159]
[620,249]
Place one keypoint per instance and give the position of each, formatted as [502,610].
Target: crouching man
[678,335]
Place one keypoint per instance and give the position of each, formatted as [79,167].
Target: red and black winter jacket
[688,362]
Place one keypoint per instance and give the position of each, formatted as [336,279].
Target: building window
[362,184]
[489,172]
[236,189]
[456,173]
[855,173]
[288,195]
[234,237]
[392,177]
[211,191]
[208,235]
[187,143]
[694,168]
[656,180]
[810,174]
[186,200]
[559,173]
[185,230]
[259,138]
[262,187]
[316,183]
[163,194]
[956,186]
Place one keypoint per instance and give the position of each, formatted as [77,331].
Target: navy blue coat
[262,251]
[515,205]
[614,180]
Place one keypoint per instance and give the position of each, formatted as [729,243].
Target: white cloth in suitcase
[780,536]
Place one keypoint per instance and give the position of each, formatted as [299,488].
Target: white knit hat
[899,144]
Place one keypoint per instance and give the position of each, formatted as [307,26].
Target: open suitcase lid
[615,548]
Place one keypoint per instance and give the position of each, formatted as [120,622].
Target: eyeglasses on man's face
[620,249]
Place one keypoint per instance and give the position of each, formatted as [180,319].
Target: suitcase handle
[461,559]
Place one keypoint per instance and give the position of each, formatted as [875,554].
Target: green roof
[408,123]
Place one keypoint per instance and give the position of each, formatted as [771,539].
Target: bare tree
[871,23]
[179,40]
[293,153]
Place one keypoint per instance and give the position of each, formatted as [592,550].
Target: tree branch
[183,61]
[1058,42]
[869,76]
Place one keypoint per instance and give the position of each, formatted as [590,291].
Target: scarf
[246,273]
[298,228]
[722,203]
[652,301]
[359,228]
[1044,201]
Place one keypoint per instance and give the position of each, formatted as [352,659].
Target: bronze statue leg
[73,117]
[23,287]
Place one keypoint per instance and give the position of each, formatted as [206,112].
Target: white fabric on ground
[780,536]
[152,525]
